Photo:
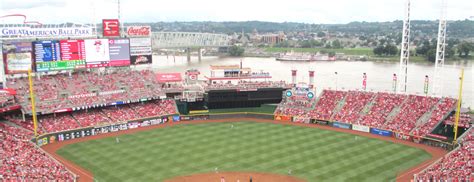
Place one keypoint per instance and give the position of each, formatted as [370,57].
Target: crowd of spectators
[354,103]
[410,112]
[458,165]
[373,110]
[382,106]
[21,160]
[81,89]
[6,99]
[465,120]
[155,108]
[27,124]
[439,113]
[58,122]
[98,116]
[87,118]
[326,104]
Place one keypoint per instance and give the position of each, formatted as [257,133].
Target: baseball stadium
[86,103]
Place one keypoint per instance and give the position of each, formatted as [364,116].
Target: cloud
[28,4]
[308,11]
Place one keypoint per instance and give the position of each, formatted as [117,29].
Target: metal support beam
[440,52]
[188,54]
[405,51]
[199,54]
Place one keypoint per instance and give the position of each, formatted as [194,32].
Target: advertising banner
[42,141]
[45,32]
[140,42]
[137,51]
[437,136]
[341,125]
[142,59]
[282,118]
[380,132]
[168,77]
[402,136]
[119,50]
[17,57]
[361,128]
[300,119]
[321,122]
[139,31]
[97,53]
[110,27]
[176,118]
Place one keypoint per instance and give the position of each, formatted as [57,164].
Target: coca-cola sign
[139,31]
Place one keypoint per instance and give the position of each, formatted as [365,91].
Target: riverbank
[367,54]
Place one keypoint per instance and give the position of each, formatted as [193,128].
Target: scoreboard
[59,55]
[45,51]
[72,50]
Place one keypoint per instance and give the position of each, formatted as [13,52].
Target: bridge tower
[440,52]
[405,51]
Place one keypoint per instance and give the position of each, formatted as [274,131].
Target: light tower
[440,51]
[405,51]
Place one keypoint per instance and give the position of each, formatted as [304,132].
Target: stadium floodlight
[405,51]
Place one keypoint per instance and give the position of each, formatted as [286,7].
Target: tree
[390,49]
[449,51]
[423,49]
[465,48]
[328,46]
[332,54]
[431,55]
[387,50]
[283,44]
[379,50]
[336,44]
[236,51]
[321,34]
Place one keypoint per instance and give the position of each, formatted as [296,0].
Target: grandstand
[394,112]
[458,165]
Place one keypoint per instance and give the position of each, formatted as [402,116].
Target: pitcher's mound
[235,177]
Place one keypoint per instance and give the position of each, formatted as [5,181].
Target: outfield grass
[312,154]
[347,51]
[265,109]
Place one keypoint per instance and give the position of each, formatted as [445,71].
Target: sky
[304,11]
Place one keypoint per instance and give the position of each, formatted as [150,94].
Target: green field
[312,154]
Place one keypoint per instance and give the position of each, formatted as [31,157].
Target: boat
[292,56]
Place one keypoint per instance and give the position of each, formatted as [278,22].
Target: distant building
[272,38]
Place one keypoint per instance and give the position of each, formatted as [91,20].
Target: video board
[119,50]
[97,53]
[17,57]
[140,51]
[59,55]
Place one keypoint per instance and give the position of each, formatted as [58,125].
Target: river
[379,74]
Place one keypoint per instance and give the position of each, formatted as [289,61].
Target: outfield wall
[89,131]
[96,130]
